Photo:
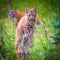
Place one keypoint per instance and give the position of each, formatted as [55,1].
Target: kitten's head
[31,15]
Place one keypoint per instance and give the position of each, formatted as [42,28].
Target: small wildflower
[11,18]
[15,19]
[11,13]
[9,1]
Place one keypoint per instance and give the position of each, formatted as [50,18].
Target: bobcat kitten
[25,27]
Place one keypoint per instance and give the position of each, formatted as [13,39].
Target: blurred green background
[46,44]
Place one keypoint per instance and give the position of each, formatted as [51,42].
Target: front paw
[19,52]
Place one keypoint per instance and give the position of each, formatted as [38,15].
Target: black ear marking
[35,10]
[27,9]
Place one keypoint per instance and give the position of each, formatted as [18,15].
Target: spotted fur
[25,27]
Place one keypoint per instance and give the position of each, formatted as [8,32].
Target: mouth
[30,24]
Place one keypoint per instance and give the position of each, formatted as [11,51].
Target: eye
[34,15]
[29,15]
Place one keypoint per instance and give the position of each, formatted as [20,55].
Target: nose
[31,17]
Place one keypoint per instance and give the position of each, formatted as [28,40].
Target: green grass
[42,48]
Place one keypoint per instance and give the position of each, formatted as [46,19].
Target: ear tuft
[27,10]
[35,10]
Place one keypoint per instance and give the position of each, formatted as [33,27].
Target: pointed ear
[35,10]
[27,10]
